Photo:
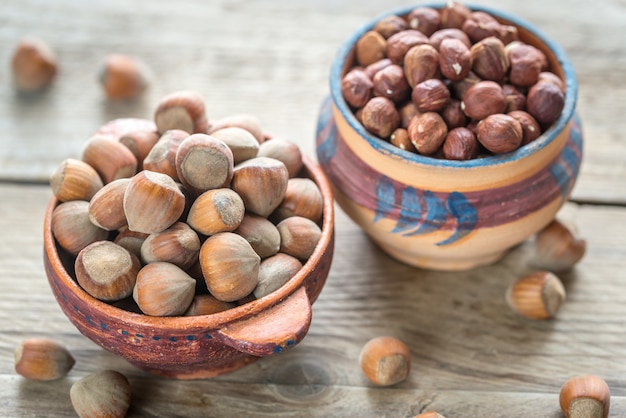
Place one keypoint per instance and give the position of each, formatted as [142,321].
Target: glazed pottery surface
[198,346]
[444,214]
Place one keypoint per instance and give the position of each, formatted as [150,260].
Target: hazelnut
[460,144]
[106,208]
[140,143]
[548,77]
[507,34]
[515,99]
[499,133]
[538,295]
[357,88]
[216,210]
[391,83]
[427,132]
[385,361]
[230,266]
[483,99]
[489,59]
[530,127]
[455,59]
[123,77]
[375,67]
[42,359]
[131,240]
[460,87]
[454,14]
[370,48]
[399,43]
[545,102]
[207,305]
[302,198]
[431,95]
[429,414]
[421,63]
[179,244]
[75,180]
[182,110]
[261,234]
[106,271]
[525,63]
[585,397]
[102,394]
[298,236]
[241,142]
[283,150]
[261,182]
[480,25]
[163,289]
[204,162]
[274,272]
[109,158]
[240,120]
[390,25]
[72,228]
[557,248]
[33,65]
[449,33]
[407,111]
[400,138]
[380,117]
[453,114]
[424,19]
[162,156]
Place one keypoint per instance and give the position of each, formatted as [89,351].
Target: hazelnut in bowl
[450,133]
[184,279]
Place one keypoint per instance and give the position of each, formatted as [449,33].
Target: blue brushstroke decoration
[561,176]
[436,215]
[410,212]
[385,196]
[465,214]
[327,148]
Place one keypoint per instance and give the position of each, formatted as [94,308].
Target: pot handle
[272,331]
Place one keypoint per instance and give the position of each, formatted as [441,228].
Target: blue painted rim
[387,148]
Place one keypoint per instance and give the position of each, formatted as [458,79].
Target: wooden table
[472,356]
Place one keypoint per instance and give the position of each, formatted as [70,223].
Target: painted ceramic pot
[444,214]
[198,346]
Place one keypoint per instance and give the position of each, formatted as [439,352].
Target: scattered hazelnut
[557,248]
[182,110]
[123,77]
[34,65]
[431,95]
[385,361]
[370,48]
[483,99]
[42,359]
[102,394]
[380,117]
[460,144]
[545,102]
[538,295]
[421,63]
[489,59]
[163,289]
[455,59]
[530,127]
[427,132]
[357,87]
[390,25]
[75,180]
[399,43]
[499,133]
[585,397]
[391,83]
[424,19]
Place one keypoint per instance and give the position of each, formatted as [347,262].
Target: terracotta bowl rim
[216,320]
[385,147]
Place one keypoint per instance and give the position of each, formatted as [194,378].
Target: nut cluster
[451,83]
[189,217]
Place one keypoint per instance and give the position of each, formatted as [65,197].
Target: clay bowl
[444,214]
[200,346]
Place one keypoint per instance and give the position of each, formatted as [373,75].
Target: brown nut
[103,394]
[499,133]
[162,156]
[72,228]
[390,25]
[42,359]
[261,182]
[152,202]
[429,414]
[421,63]
[123,77]
[431,95]
[140,143]
[391,83]
[375,67]
[106,208]
[131,240]
[179,244]
[240,141]
[230,266]
[298,237]
[585,397]
[204,162]
[400,138]
[399,43]
[182,110]
[483,99]
[109,158]
[489,59]
[454,14]
[75,180]
[216,210]
[283,150]
[460,144]
[545,102]
[530,127]
[557,248]
[526,63]
[163,289]
[449,33]
[453,115]
[515,99]
[480,25]
[459,88]
[424,19]
[427,132]
[240,120]
[33,65]
[538,295]
[385,361]
[207,305]
[274,272]
[548,77]
[357,87]
[380,117]
[106,271]
[370,48]
[261,234]
[455,59]
[302,198]
[407,111]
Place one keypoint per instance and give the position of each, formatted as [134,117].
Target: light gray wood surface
[472,356]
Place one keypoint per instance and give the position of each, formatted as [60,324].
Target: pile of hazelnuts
[451,83]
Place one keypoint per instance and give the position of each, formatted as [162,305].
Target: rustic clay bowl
[443,214]
[200,346]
